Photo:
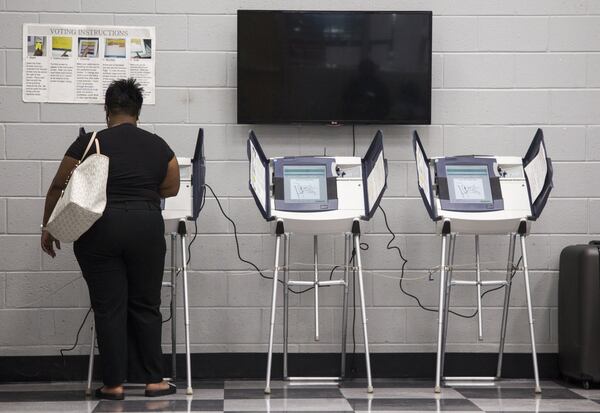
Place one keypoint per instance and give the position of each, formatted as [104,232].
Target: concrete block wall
[500,70]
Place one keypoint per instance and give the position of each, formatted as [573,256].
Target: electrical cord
[189,247]
[414,297]
[235,235]
[237,245]
[65,350]
[353,140]
[512,275]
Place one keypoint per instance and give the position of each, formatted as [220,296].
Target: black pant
[122,259]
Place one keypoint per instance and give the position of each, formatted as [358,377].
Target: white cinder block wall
[500,70]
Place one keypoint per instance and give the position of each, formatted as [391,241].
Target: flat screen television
[334,67]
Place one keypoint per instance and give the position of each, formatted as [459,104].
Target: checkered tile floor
[350,396]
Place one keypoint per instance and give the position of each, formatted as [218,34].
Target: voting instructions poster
[75,64]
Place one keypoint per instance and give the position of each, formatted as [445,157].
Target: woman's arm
[58,184]
[170,185]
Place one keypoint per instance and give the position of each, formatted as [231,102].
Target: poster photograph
[88,46]
[36,46]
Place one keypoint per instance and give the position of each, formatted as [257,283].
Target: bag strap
[89,145]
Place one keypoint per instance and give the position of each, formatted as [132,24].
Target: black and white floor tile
[349,396]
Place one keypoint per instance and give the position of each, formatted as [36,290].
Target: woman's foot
[110,393]
[163,388]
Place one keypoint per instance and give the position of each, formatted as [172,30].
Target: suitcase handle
[595,243]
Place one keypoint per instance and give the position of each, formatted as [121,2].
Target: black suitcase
[579,313]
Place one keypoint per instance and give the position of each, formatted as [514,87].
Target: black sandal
[172,389]
[99,394]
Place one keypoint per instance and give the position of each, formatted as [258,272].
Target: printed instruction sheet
[75,64]
[257,176]
[536,172]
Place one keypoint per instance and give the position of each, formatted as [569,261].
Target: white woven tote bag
[84,199]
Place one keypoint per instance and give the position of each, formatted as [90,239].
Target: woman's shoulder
[165,148]
[156,141]
[154,137]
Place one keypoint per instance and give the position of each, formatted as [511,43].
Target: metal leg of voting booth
[452,242]
[441,313]
[279,233]
[88,389]
[172,285]
[538,389]
[509,270]
[181,230]
[286,303]
[349,239]
[446,283]
[356,236]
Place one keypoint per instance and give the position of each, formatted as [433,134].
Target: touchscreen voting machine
[483,194]
[317,195]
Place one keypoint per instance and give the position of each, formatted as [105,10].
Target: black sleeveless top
[138,161]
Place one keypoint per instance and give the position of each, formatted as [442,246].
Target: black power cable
[414,297]
[364,246]
[353,140]
[64,350]
[237,246]
[189,257]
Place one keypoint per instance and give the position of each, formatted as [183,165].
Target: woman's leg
[105,273]
[145,260]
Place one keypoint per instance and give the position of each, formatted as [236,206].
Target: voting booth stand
[177,210]
[317,195]
[476,195]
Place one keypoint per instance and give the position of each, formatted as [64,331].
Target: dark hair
[124,97]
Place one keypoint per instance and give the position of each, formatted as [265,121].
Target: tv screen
[334,67]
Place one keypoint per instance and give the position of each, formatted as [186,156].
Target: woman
[122,255]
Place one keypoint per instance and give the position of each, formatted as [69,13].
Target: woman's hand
[48,242]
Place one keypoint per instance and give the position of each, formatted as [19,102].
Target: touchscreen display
[469,184]
[305,183]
